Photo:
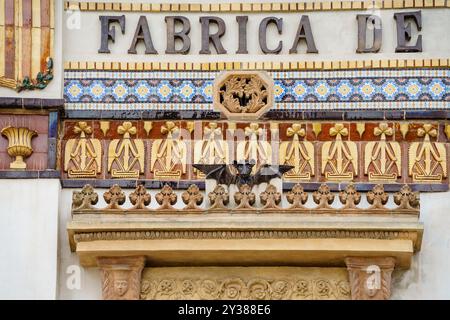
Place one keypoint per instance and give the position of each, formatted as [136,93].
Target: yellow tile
[165,7]
[221,65]
[302,65]
[317,6]
[108,6]
[156,7]
[439,3]
[435,62]
[259,65]
[409,3]
[236,7]
[276,65]
[387,4]
[83,6]
[92,6]
[360,64]
[107,65]
[188,66]
[116,6]
[181,66]
[126,6]
[246,7]
[367,63]
[195,7]
[174,7]
[352,64]
[184,7]
[66,65]
[327,65]
[267,65]
[301,6]
[225,7]
[336,5]
[428,3]
[285,6]
[385,63]
[378,3]
[205,7]
[215,7]
[418,63]
[357,5]
[335,65]
[229,66]
[292,6]
[256,7]
[418,3]
[237,65]
[343,64]
[309,6]
[172,66]
[213,66]
[346,5]
[400,63]
[376,64]
[147,66]
[309,64]
[116,66]
[398,4]
[164,65]
[266,6]
[443,62]
[91,65]
[427,62]
[136,6]
[131,66]
[326,5]
[276,6]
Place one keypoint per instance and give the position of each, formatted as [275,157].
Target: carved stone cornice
[370,277]
[121,277]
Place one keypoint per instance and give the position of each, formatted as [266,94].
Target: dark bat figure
[224,175]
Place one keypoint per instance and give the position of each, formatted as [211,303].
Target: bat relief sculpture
[240,173]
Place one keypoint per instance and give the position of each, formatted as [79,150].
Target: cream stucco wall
[29,239]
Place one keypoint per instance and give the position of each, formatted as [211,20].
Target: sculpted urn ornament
[19,145]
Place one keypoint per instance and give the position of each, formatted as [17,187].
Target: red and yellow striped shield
[26,39]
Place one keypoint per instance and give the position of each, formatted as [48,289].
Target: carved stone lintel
[370,277]
[121,277]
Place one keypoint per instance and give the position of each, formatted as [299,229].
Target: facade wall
[29,237]
[35,257]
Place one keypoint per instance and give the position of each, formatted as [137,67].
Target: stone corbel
[121,277]
[370,278]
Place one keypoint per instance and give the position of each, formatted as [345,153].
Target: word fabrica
[366,23]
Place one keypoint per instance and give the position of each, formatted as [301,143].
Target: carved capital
[370,278]
[121,277]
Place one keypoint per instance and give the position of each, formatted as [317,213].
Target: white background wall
[29,238]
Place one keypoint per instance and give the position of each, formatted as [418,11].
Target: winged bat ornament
[239,173]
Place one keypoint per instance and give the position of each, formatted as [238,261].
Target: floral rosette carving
[140,198]
[302,289]
[323,197]
[281,290]
[209,290]
[245,198]
[323,289]
[297,197]
[232,289]
[219,198]
[377,198]
[192,198]
[258,290]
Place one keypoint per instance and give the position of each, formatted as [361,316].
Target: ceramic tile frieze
[292,90]
[370,152]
